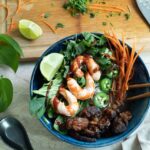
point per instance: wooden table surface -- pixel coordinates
(135, 27)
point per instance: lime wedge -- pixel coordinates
(30, 29)
(50, 65)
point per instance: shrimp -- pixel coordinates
(82, 93)
(60, 107)
(92, 66)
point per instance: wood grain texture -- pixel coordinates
(2, 16)
(135, 27)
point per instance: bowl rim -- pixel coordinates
(85, 144)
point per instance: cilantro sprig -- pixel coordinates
(76, 7)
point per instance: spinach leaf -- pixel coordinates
(37, 106)
(42, 91)
(54, 87)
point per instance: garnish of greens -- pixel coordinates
(10, 53)
(76, 7)
(90, 44)
(104, 23)
(92, 15)
(46, 15)
(127, 16)
(59, 25)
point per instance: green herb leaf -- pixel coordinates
(46, 15)
(83, 104)
(105, 50)
(9, 57)
(89, 37)
(76, 6)
(5, 39)
(102, 41)
(104, 23)
(93, 51)
(111, 24)
(59, 25)
(127, 16)
(81, 81)
(42, 91)
(6, 93)
(51, 113)
(66, 70)
(37, 106)
(92, 15)
(73, 49)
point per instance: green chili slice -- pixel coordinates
(101, 99)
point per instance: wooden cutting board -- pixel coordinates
(134, 27)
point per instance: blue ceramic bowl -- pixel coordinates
(138, 108)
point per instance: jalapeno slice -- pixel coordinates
(105, 84)
(101, 99)
(113, 74)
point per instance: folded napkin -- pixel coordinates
(139, 140)
(131, 143)
(144, 137)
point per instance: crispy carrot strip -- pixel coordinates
(28, 2)
(129, 68)
(131, 74)
(125, 61)
(115, 44)
(108, 6)
(46, 23)
(127, 52)
(12, 19)
(42, 15)
(11, 25)
(18, 6)
(7, 12)
(138, 53)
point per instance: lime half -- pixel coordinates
(50, 65)
(30, 29)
